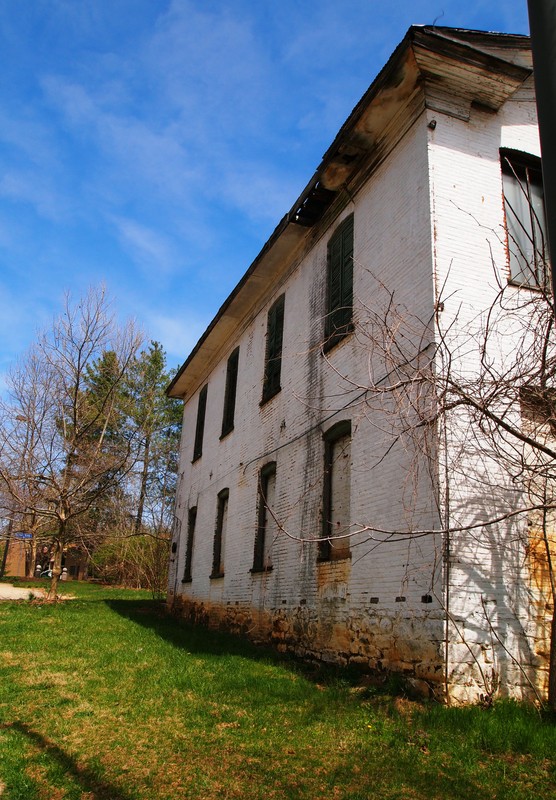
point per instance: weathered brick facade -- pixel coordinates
(418, 167)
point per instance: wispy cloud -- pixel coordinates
(148, 247)
(28, 187)
(156, 145)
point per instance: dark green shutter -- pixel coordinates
(262, 518)
(273, 357)
(347, 271)
(200, 427)
(191, 520)
(217, 565)
(336, 432)
(230, 393)
(340, 281)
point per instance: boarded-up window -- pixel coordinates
(525, 218)
(200, 427)
(538, 407)
(230, 393)
(273, 356)
(266, 524)
(219, 548)
(191, 521)
(336, 527)
(340, 284)
(538, 421)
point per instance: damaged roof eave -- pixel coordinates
(278, 249)
(434, 59)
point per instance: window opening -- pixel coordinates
(266, 524)
(230, 393)
(220, 534)
(191, 522)
(200, 427)
(525, 218)
(340, 284)
(335, 542)
(273, 356)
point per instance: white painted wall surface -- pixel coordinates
(494, 636)
(429, 221)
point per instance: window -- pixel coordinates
(340, 284)
(200, 427)
(538, 408)
(220, 535)
(273, 357)
(230, 394)
(191, 520)
(336, 519)
(525, 218)
(266, 526)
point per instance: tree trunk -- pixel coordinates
(56, 571)
(6, 548)
(31, 560)
(143, 491)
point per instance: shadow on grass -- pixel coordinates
(152, 614)
(87, 779)
(200, 640)
(402, 747)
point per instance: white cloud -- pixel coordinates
(149, 247)
(210, 63)
(35, 188)
(158, 142)
(28, 136)
(259, 191)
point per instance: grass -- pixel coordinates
(104, 697)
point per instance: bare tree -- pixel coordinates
(58, 451)
(468, 396)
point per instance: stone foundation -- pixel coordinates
(371, 642)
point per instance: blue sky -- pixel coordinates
(153, 145)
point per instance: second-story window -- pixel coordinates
(230, 393)
(339, 310)
(273, 355)
(525, 218)
(200, 427)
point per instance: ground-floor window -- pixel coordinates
(219, 548)
(336, 528)
(266, 524)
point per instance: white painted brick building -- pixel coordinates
(406, 205)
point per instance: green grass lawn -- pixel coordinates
(103, 696)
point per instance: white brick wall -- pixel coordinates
(492, 607)
(430, 217)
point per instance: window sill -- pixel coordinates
(260, 570)
(269, 396)
(196, 458)
(333, 559)
(187, 580)
(226, 433)
(216, 576)
(533, 287)
(338, 336)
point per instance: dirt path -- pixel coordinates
(8, 592)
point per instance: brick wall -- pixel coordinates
(367, 609)
(497, 619)
(429, 221)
